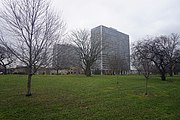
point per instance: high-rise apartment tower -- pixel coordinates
(115, 46)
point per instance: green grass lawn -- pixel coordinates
(98, 97)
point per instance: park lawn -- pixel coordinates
(70, 97)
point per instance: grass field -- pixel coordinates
(97, 97)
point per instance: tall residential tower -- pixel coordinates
(115, 55)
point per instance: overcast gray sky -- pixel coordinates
(137, 18)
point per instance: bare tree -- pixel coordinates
(153, 47)
(172, 47)
(6, 58)
(87, 49)
(141, 60)
(35, 28)
(162, 51)
(159, 55)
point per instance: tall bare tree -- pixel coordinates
(87, 49)
(141, 60)
(35, 28)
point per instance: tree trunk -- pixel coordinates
(163, 76)
(146, 86)
(171, 71)
(163, 73)
(29, 85)
(57, 71)
(5, 69)
(88, 71)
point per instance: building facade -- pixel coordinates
(65, 57)
(115, 54)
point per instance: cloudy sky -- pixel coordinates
(137, 18)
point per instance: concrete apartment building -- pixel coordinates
(115, 46)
